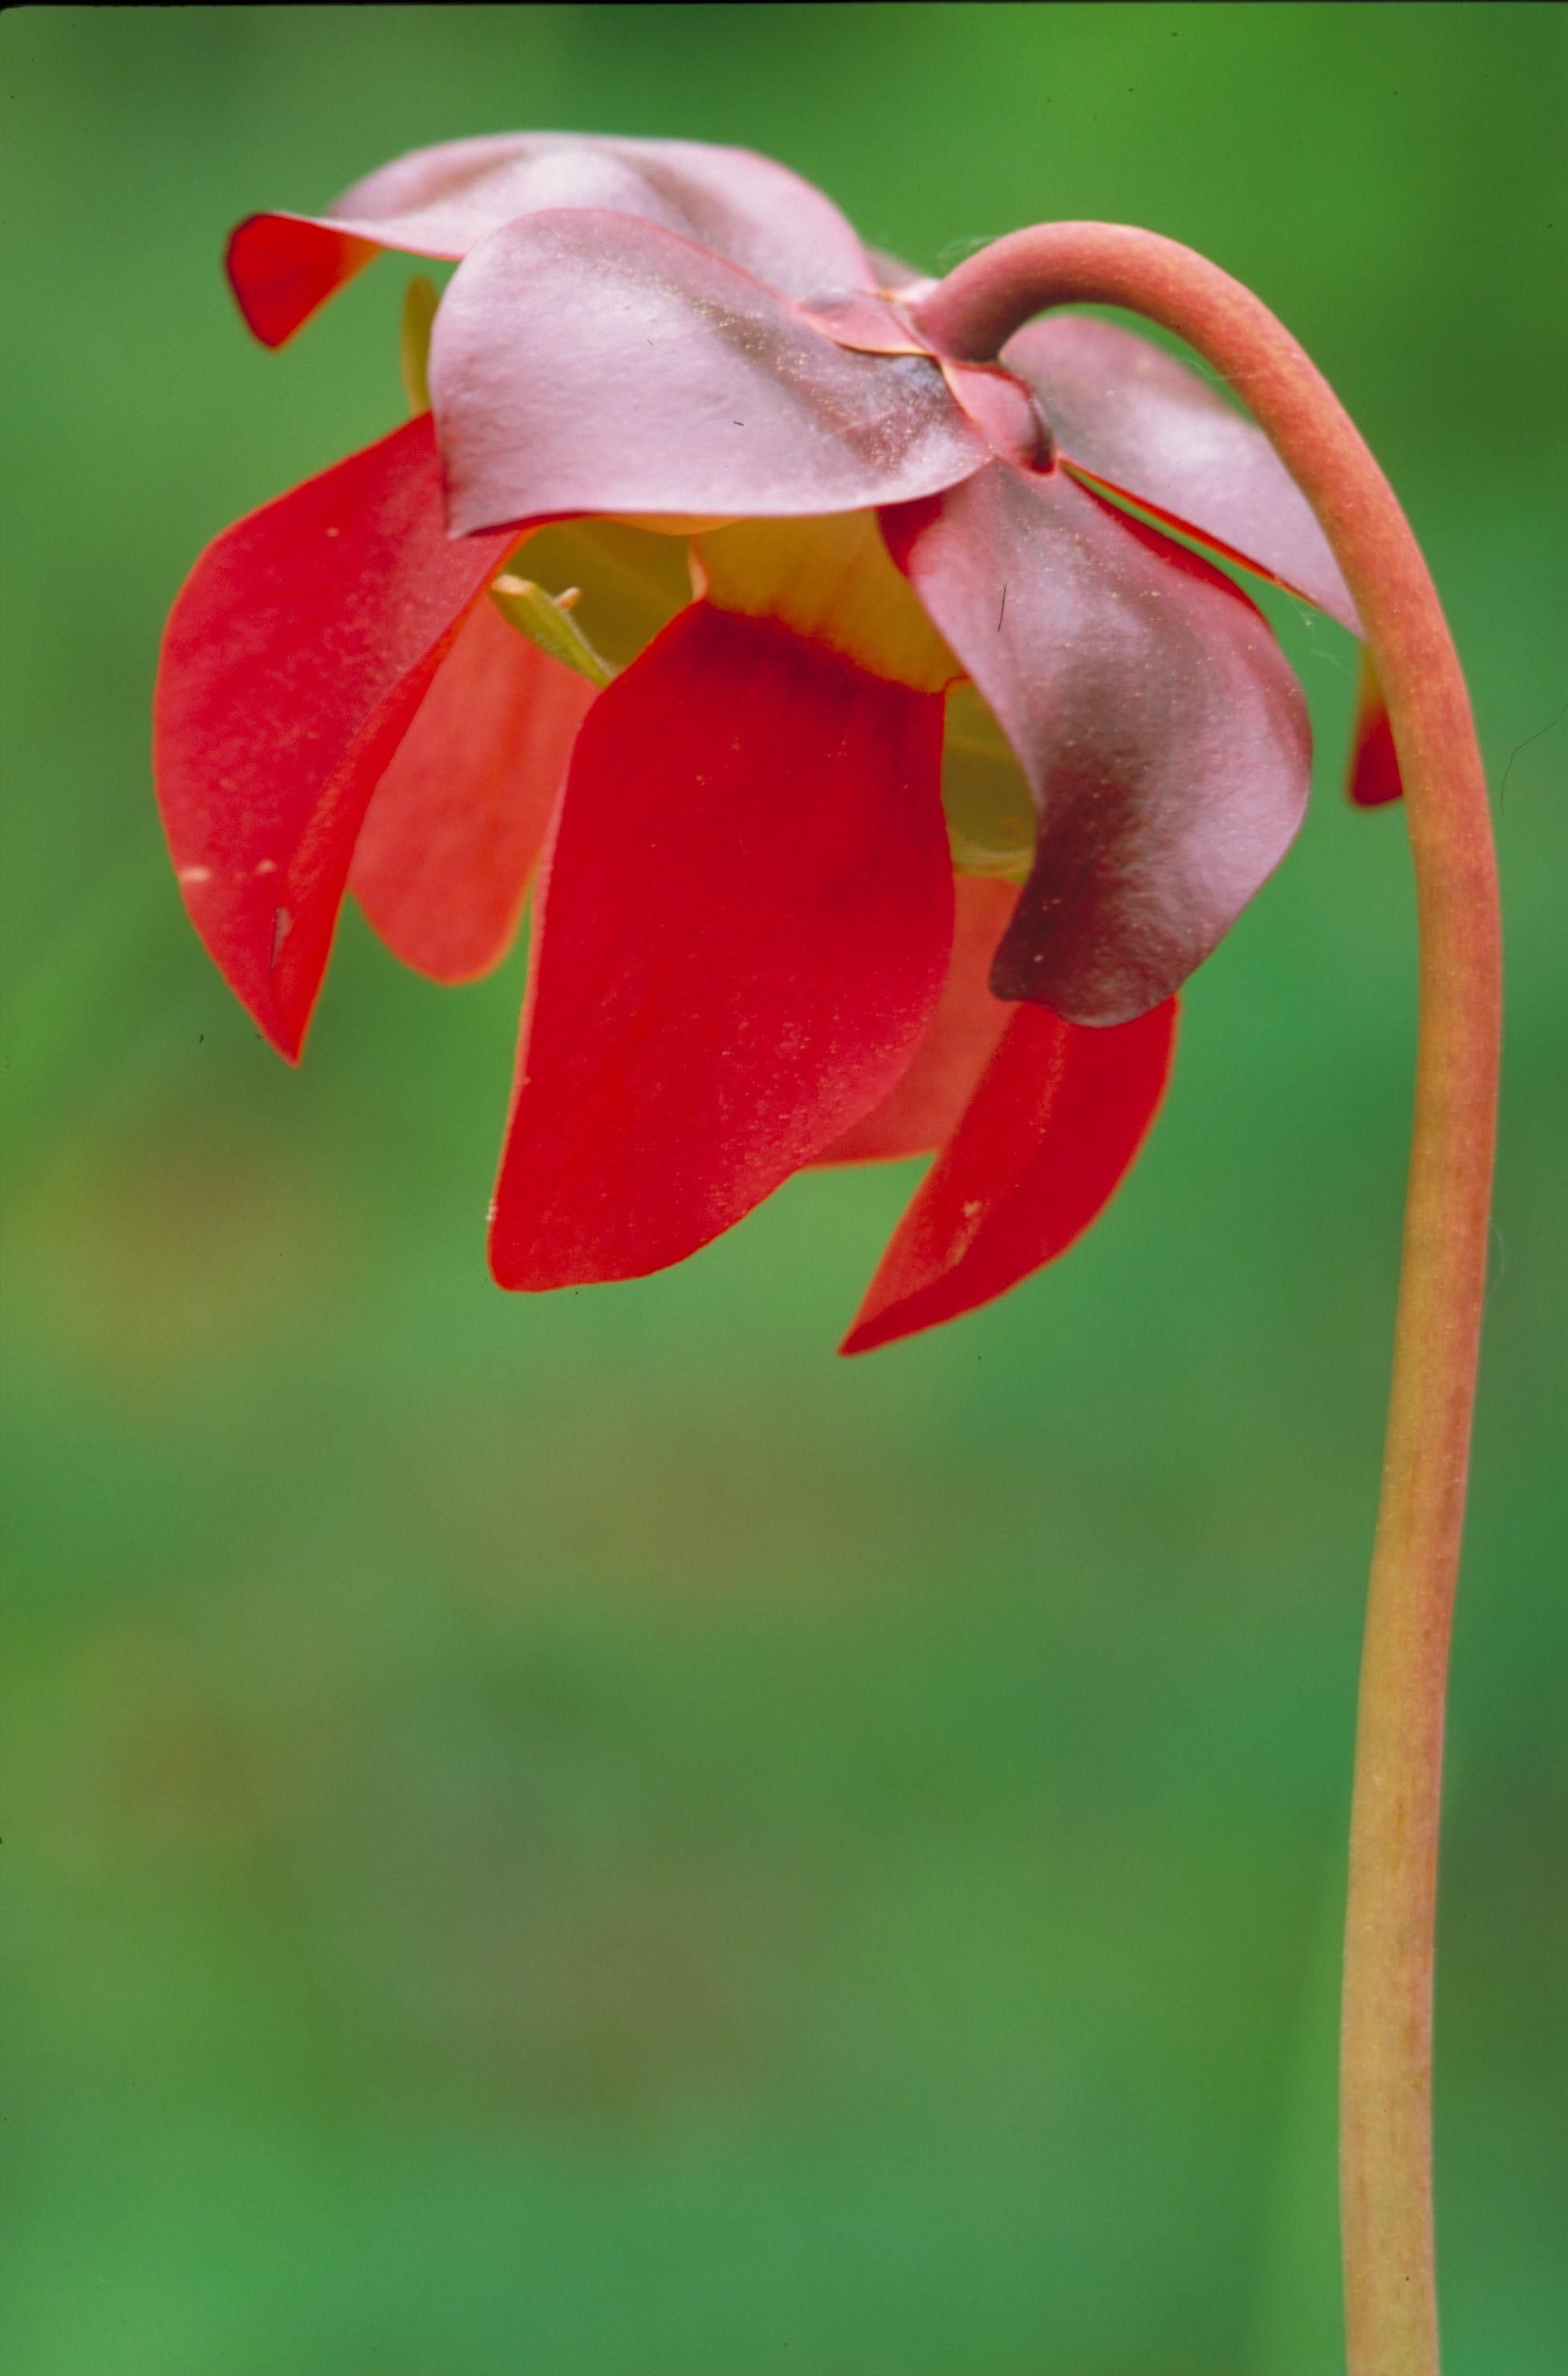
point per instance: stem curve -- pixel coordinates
(1385, 2055)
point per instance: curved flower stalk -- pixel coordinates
(847, 658)
(1425, 723)
(920, 774)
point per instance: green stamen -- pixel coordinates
(421, 299)
(546, 620)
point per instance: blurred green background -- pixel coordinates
(584, 1836)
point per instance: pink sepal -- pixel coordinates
(592, 362)
(1133, 419)
(442, 201)
(1163, 735)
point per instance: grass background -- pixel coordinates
(582, 1836)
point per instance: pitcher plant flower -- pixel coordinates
(853, 660)
(927, 774)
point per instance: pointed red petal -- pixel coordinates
(1373, 778)
(1127, 414)
(442, 201)
(1051, 1133)
(591, 362)
(745, 922)
(925, 1107)
(1163, 735)
(296, 656)
(282, 267)
(455, 824)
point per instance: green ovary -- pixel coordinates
(990, 819)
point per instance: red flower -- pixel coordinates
(922, 622)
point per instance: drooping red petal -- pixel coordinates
(440, 201)
(1131, 417)
(1164, 738)
(282, 267)
(1373, 777)
(745, 922)
(925, 1107)
(1048, 1136)
(455, 824)
(591, 362)
(296, 656)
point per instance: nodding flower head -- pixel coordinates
(881, 773)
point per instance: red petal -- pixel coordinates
(442, 201)
(1128, 415)
(960, 1038)
(297, 650)
(1163, 735)
(282, 267)
(589, 362)
(1049, 1136)
(455, 826)
(1374, 764)
(745, 923)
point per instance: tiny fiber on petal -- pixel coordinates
(744, 927)
(294, 661)
(1050, 1132)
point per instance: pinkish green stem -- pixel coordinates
(1386, 2057)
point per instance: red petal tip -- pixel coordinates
(1053, 1130)
(281, 268)
(1373, 779)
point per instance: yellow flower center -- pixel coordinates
(831, 579)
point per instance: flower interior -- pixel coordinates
(882, 735)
